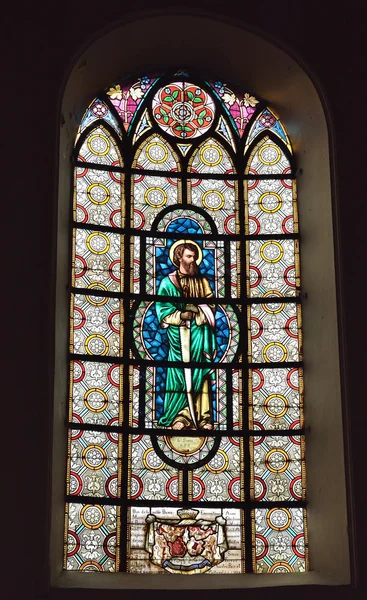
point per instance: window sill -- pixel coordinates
(68, 579)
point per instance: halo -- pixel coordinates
(172, 249)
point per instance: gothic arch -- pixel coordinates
(280, 79)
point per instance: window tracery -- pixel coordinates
(186, 391)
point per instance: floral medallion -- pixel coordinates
(183, 110)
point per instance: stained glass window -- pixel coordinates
(185, 423)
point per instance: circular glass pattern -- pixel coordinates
(156, 197)
(98, 144)
(157, 152)
(275, 352)
(273, 307)
(111, 486)
(75, 484)
(92, 516)
(262, 546)
(213, 200)
(278, 518)
(293, 379)
(96, 344)
(90, 565)
(172, 488)
(269, 154)
(94, 457)
(198, 488)
(296, 488)
(109, 545)
(280, 567)
(230, 224)
(218, 463)
(271, 251)
(277, 460)
(97, 300)
(260, 488)
(298, 545)
(98, 243)
(183, 110)
(136, 487)
(276, 405)
(151, 461)
(73, 543)
(234, 489)
(267, 120)
(211, 155)
(270, 202)
(98, 193)
(95, 400)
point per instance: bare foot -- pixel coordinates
(178, 426)
(208, 426)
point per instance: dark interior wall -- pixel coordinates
(40, 42)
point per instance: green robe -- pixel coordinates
(202, 349)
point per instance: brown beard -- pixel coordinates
(193, 269)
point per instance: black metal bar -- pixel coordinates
(181, 174)
(176, 363)
(143, 268)
(227, 267)
(144, 297)
(125, 385)
(142, 383)
(228, 432)
(172, 235)
(178, 504)
(185, 487)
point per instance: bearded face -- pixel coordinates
(191, 268)
(188, 263)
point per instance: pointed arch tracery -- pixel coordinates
(162, 162)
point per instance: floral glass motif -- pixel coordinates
(185, 417)
(126, 98)
(240, 106)
(183, 110)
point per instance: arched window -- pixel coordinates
(186, 449)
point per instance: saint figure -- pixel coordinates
(191, 335)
